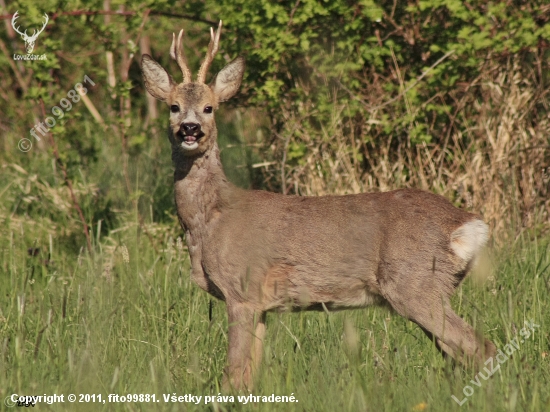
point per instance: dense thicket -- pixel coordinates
(339, 97)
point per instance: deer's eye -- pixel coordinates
(208, 109)
(174, 108)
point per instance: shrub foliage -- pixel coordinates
(339, 97)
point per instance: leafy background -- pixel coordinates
(338, 97)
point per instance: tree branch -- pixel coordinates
(121, 13)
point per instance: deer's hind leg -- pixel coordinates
(425, 304)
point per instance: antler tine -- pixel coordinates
(210, 54)
(15, 17)
(176, 52)
(45, 23)
(36, 32)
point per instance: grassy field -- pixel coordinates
(129, 320)
(445, 97)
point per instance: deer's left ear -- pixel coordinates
(228, 80)
(157, 81)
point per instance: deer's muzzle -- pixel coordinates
(190, 133)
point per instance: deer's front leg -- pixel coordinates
(246, 330)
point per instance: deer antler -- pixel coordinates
(35, 33)
(15, 17)
(25, 35)
(176, 52)
(210, 54)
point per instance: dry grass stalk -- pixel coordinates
(498, 166)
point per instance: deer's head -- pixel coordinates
(29, 40)
(192, 104)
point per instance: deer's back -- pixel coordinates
(286, 251)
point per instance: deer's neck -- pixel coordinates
(201, 189)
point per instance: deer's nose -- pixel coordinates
(190, 129)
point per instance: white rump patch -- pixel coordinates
(468, 240)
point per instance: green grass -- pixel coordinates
(71, 323)
(104, 325)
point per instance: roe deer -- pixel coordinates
(260, 251)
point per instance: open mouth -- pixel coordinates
(190, 141)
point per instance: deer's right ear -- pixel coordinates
(157, 81)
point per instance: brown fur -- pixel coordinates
(261, 251)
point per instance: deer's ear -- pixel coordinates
(228, 80)
(157, 81)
